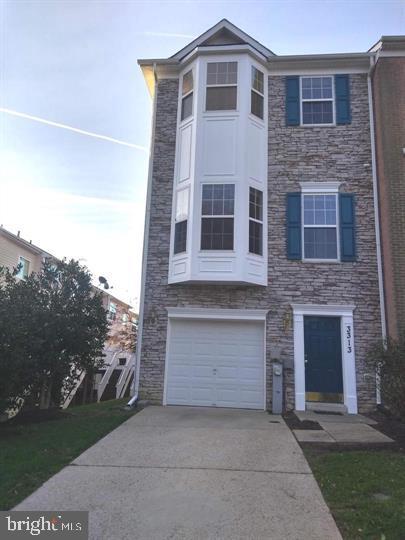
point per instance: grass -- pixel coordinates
(32, 453)
(350, 481)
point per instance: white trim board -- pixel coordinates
(345, 312)
(320, 187)
(225, 314)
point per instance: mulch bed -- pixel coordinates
(390, 426)
(293, 422)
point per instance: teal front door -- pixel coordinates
(323, 359)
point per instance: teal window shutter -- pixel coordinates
(294, 226)
(342, 97)
(292, 101)
(347, 228)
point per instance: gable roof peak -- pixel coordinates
(223, 33)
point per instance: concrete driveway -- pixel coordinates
(193, 473)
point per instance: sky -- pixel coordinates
(74, 63)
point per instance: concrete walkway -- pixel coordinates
(193, 473)
(345, 428)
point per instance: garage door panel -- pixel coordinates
(216, 363)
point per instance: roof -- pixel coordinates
(24, 243)
(223, 33)
(225, 36)
(392, 43)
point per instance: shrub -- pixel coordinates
(52, 326)
(388, 359)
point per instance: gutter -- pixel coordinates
(134, 398)
(376, 213)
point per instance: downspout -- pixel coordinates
(376, 214)
(135, 386)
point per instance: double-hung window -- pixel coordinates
(320, 237)
(222, 81)
(317, 100)
(180, 226)
(255, 221)
(24, 268)
(187, 95)
(112, 311)
(218, 201)
(257, 93)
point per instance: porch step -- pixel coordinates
(331, 408)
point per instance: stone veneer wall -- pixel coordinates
(296, 154)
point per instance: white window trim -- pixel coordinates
(202, 216)
(29, 267)
(256, 221)
(182, 96)
(225, 85)
(345, 313)
(317, 76)
(320, 188)
(256, 92)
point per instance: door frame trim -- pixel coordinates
(210, 314)
(345, 313)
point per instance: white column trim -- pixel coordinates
(345, 312)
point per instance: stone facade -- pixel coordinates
(341, 153)
(389, 104)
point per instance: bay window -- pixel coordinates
(255, 221)
(217, 222)
(222, 80)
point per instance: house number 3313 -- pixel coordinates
(349, 338)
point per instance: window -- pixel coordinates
(180, 226)
(222, 80)
(320, 226)
(112, 311)
(122, 361)
(317, 100)
(255, 221)
(218, 202)
(24, 270)
(187, 95)
(257, 93)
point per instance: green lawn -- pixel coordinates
(31, 453)
(350, 481)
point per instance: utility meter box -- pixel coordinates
(277, 401)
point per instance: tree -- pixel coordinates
(127, 335)
(52, 327)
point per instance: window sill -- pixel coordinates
(323, 261)
(220, 252)
(317, 125)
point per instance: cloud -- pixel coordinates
(70, 128)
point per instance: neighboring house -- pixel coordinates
(15, 251)
(388, 78)
(260, 240)
(114, 379)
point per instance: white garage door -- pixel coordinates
(215, 363)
